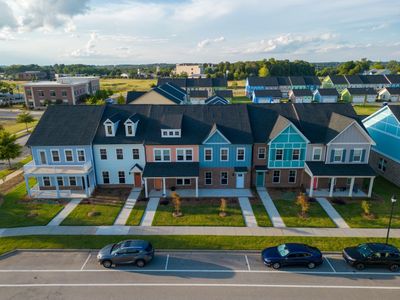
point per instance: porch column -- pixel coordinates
(146, 193)
(197, 186)
(86, 187)
(351, 186)
(28, 189)
(57, 187)
(371, 185)
(332, 186)
(164, 188)
(311, 187)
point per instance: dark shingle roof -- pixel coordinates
(322, 169)
(172, 121)
(256, 81)
(198, 94)
(361, 91)
(297, 80)
(312, 80)
(374, 79)
(214, 100)
(393, 91)
(328, 92)
(336, 125)
(224, 93)
(302, 92)
(194, 82)
(268, 93)
(393, 78)
(283, 80)
(171, 92)
(395, 110)
(338, 79)
(133, 95)
(171, 169)
(181, 82)
(354, 79)
(63, 125)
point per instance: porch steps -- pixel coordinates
(247, 212)
(150, 212)
(64, 212)
(332, 213)
(270, 208)
(128, 206)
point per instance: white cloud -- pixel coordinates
(6, 34)
(207, 42)
(196, 10)
(7, 18)
(89, 49)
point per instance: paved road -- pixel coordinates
(189, 274)
(11, 114)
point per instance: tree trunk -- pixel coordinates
(9, 163)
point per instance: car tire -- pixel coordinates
(140, 263)
(276, 266)
(107, 264)
(359, 266)
(311, 265)
(394, 267)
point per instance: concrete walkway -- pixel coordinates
(332, 213)
(270, 208)
(11, 175)
(150, 212)
(247, 212)
(128, 206)
(57, 220)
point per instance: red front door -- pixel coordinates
(138, 179)
(315, 185)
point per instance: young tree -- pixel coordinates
(263, 71)
(304, 204)
(176, 199)
(9, 149)
(223, 207)
(26, 118)
(121, 99)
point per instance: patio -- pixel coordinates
(337, 193)
(205, 193)
(35, 192)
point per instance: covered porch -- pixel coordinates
(160, 177)
(339, 180)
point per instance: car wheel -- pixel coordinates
(276, 266)
(359, 266)
(311, 265)
(107, 264)
(140, 263)
(394, 267)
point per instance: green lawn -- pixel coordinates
(79, 216)
(13, 213)
(289, 212)
(260, 213)
(366, 110)
(353, 214)
(13, 127)
(180, 242)
(137, 213)
(240, 99)
(199, 214)
(5, 172)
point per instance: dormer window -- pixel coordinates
(131, 125)
(109, 129)
(170, 133)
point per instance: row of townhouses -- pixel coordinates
(324, 149)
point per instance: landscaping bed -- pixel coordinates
(137, 213)
(260, 213)
(199, 212)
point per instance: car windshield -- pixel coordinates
(116, 247)
(283, 250)
(364, 250)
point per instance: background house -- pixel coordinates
(267, 96)
(166, 93)
(300, 96)
(358, 95)
(327, 95)
(389, 94)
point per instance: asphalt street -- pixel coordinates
(187, 274)
(11, 114)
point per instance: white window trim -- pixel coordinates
(119, 177)
(162, 154)
(184, 154)
(313, 153)
(227, 154)
(183, 181)
(62, 179)
(276, 152)
(65, 155)
(138, 150)
(265, 152)
(52, 157)
(108, 175)
(116, 154)
(175, 133)
(227, 178)
(295, 176)
(45, 156)
(69, 181)
(84, 155)
(361, 151)
(43, 180)
(293, 154)
(334, 155)
(244, 153)
(274, 176)
(131, 125)
(212, 154)
(106, 153)
(205, 178)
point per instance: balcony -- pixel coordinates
(33, 169)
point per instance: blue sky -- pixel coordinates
(153, 31)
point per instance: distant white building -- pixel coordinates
(192, 70)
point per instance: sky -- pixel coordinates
(176, 31)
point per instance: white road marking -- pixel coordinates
(202, 285)
(87, 259)
(166, 263)
(329, 263)
(247, 263)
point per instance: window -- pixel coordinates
(106, 177)
(224, 178)
(224, 154)
(43, 159)
(295, 154)
(170, 133)
(262, 151)
(28, 93)
(55, 155)
(60, 181)
(292, 176)
(162, 155)
(337, 155)
(68, 155)
(382, 164)
(135, 153)
(208, 178)
(46, 181)
(240, 154)
(109, 130)
(41, 93)
(357, 155)
(208, 154)
(276, 176)
(103, 154)
(279, 154)
(183, 181)
(64, 93)
(120, 154)
(317, 153)
(184, 154)
(72, 181)
(129, 129)
(81, 155)
(52, 93)
(121, 176)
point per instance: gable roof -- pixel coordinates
(198, 94)
(171, 92)
(224, 93)
(63, 125)
(215, 129)
(297, 80)
(312, 80)
(213, 100)
(133, 95)
(374, 79)
(282, 80)
(280, 124)
(338, 79)
(302, 92)
(353, 79)
(393, 78)
(393, 91)
(194, 82)
(337, 123)
(328, 92)
(268, 93)
(361, 91)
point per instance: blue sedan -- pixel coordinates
(292, 255)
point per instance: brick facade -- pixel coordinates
(392, 172)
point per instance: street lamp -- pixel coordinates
(393, 199)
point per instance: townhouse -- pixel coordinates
(376, 82)
(266, 96)
(300, 96)
(358, 95)
(166, 93)
(325, 95)
(322, 148)
(211, 85)
(389, 94)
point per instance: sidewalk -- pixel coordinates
(128, 206)
(150, 212)
(270, 208)
(332, 213)
(247, 212)
(71, 205)
(12, 175)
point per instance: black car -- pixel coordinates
(136, 252)
(372, 254)
(292, 255)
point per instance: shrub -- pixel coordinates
(304, 204)
(338, 201)
(176, 200)
(222, 208)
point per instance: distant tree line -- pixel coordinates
(359, 66)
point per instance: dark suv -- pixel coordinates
(136, 252)
(376, 254)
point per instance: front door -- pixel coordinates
(158, 184)
(239, 180)
(137, 179)
(260, 179)
(315, 185)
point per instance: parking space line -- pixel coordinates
(166, 263)
(86, 261)
(247, 263)
(329, 263)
